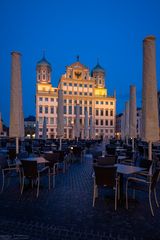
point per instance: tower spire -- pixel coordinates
(77, 58)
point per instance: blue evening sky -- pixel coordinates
(112, 30)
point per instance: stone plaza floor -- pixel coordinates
(66, 212)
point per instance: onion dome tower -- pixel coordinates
(43, 70)
(99, 74)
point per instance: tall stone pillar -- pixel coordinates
(132, 113)
(16, 110)
(150, 130)
(127, 121)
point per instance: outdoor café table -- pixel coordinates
(40, 160)
(123, 169)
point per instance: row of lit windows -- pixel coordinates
(77, 85)
(77, 93)
(104, 130)
(67, 110)
(102, 112)
(102, 122)
(46, 99)
(103, 102)
(76, 101)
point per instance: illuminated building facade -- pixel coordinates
(79, 87)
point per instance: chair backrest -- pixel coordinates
(60, 155)
(52, 158)
(12, 153)
(29, 168)
(107, 160)
(145, 163)
(105, 175)
(3, 162)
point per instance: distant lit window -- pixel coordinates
(111, 103)
(46, 109)
(97, 112)
(52, 110)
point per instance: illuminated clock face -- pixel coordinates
(78, 74)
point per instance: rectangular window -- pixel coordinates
(70, 84)
(40, 109)
(46, 99)
(64, 84)
(85, 109)
(65, 110)
(80, 110)
(46, 109)
(90, 102)
(52, 99)
(51, 120)
(40, 120)
(101, 122)
(106, 122)
(70, 109)
(106, 103)
(106, 112)
(80, 102)
(85, 102)
(70, 93)
(90, 86)
(111, 113)
(80, 85)
(80, 93)
(70, 101)
(101, 112)
(90, 110)
(111, 122)
(96, 122)
(101, 102)
(64, 92)
(52, 110)
(111, 103)
(97, 102)
(90, 94)
(75, 93)
(75, 84)
(85, 85)
(65, 100)
(97, 112)
(40, 99)
(85, 94)
(74, 109)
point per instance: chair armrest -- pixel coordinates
(9, 169)
(134, 179)
(43, 169)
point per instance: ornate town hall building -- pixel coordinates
(79, 87)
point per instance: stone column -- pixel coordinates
(16, 109)
(132, 115)
(1, 124)
(127, 121)
(150, 129)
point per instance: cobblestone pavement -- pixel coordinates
(66, 212)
